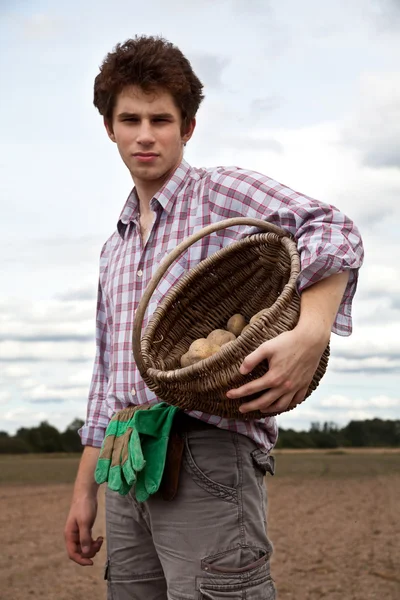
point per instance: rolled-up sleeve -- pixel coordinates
(328, 241)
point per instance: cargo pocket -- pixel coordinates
(242, 573)
(217, 478)
(264, 463)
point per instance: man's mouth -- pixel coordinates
(145, 156)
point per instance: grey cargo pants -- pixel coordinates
(209, 542)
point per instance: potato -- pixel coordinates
(185, 360)
(199, 350)
(220, 336)
(236, 324)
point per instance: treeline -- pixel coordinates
(357, 434)
(43, 438)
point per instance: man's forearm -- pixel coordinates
(320, 304)
(85, 484)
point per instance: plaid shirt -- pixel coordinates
(327, 240)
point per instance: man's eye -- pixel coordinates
(160, 119)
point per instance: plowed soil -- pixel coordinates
(334, 519)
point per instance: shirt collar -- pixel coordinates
(166, 197)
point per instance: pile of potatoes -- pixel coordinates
(205, 347)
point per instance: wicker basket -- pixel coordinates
(255, 273)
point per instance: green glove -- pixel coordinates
(114, 464)
(134, 449)
(154, 427)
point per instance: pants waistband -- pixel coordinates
(184, 422)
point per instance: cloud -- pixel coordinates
(383, 280)
(209, 68)
(360, 403)
(41, 25)
(251, 6)
(340, 409)
(15, 372)
(265, 105)
(55, 393)
(87, 293)
(374, 128)
(372, 349)
(47, 331)
(47, 401)
(366, 367)
(5, 396)
(29, 416)
(387, 15)
(58, 338)
(14, 352)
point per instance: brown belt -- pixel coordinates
(176, 445)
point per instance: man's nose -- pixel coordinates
(145, 134)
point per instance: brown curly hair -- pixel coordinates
(151, 63)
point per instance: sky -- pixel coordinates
(307, 93)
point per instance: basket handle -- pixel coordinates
(171, 257)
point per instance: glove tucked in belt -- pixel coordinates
(134, 449)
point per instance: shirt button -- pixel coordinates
(139, 273)
(133, 392)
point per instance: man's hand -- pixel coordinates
(81, 547)
(293, 358)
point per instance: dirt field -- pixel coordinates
(334, 520)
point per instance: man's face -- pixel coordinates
(147, 130)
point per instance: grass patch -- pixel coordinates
(38, 468)
(62, 468)
(336, 464)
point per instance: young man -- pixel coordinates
(210, 541)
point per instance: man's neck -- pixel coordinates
(145, 193)
(146, 190)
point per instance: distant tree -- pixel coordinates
(373, 432)
(12, 445)
(356, 434)
(294, 439)
(75, 425)
(44, 438)
(324, 439)
(315, 426)
(71, 441)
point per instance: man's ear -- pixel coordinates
(189, 131)
(109, 130)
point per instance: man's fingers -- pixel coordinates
(267, 402)
(94, 548)
(279, 406)
(86, 540)
(299, 397)
(254, 358)
(81, 548)
(73, 547)
(81, 560)
(267, 382)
